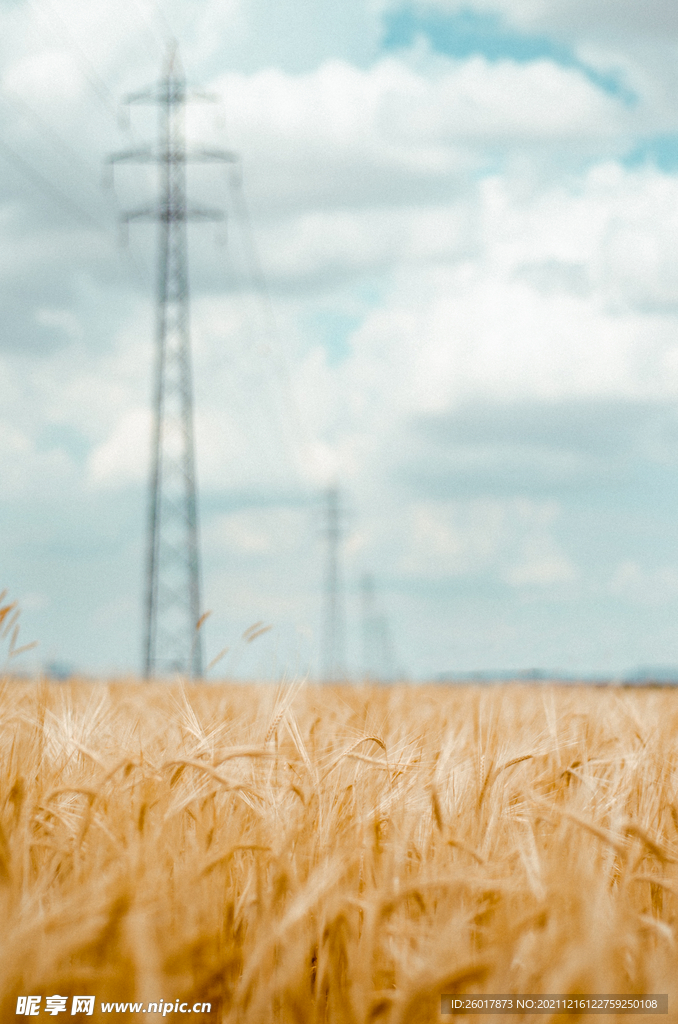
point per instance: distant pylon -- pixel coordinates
(172, 603)
(369, 616)
(378, 654)
(333, 663)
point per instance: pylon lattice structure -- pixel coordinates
(334, 666)
(172, 602)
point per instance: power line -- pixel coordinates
(252, 390)
(87, 69)
(170, 38)
(333, 663)
(273, 347)
(160, 41)
(46, 186)
(24, 109)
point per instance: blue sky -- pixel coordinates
(463, 33)
(467, 217)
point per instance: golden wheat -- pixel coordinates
(336, 854)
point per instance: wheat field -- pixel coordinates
(336, 854)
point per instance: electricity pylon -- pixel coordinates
(334, 667)
(378, 653)
(369, 619)
(172, 609)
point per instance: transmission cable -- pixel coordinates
(88, 70)
(45, 185)
(267, 407)
(273, 347)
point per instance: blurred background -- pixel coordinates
(452, 296)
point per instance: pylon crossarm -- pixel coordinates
(142, 213)
(172, 214)
(158, 94)
(200, 156)
(161, 94)
(145, 96)
(143, 155)
(199, 96)
(204, 213)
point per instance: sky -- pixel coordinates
(455, 297)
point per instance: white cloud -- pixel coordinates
(27, 469)
(379, 135)
(642, 585)
(123, 458)
(442, 540)
(544, 566)
(246, 534)
(50, 73)
(494, 324)
(64, 319)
